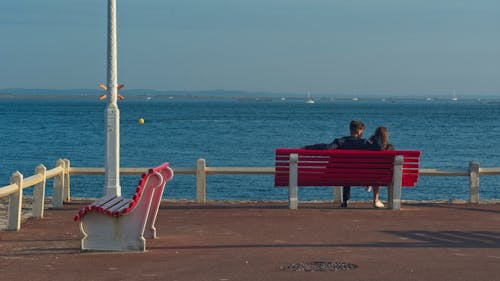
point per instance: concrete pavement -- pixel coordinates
(225, 241)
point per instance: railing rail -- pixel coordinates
(18, 183)
(266, 171)
(443, 173)
(62, 171)
(80, 171)
(8, 190)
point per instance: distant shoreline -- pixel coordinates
(95, 97)
(24, 93)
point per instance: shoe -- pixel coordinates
(378, 204)
(343, 205)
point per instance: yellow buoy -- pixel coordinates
(141, 120)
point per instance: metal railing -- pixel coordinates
(62, 171)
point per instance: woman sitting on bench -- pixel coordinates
(381, 136)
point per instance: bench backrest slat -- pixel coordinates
(346, 167)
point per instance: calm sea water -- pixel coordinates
(232, 133)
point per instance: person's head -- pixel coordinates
(356, 128)
(383, 135)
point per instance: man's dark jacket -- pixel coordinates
(348, 142)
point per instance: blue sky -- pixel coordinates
(390, 47)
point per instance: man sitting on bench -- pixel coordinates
(351, 142)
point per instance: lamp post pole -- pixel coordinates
(112, 113)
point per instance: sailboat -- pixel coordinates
(309, 99)
(454, 98)
(355, 98)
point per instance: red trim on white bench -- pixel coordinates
(116, 205)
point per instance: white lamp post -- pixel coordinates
(112, 113)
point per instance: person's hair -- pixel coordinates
(383, 135)
(356, 125)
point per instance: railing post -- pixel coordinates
(39, 193)
(58, 192)
(15, 203)
(337, 194)
(67, 197)
(201, 181)
(293, 182)
(474, 182)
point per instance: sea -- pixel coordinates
(245, 133)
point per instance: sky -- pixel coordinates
(393, 47)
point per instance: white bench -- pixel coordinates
(114, 223)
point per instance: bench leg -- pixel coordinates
(292, 197)
(337, 194)
(292, 183)
(395, 197)
(395, 187)
(105, 233)
(150, 229)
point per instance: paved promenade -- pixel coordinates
(266, 241)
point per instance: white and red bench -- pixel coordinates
(114, 223)
(391, 168)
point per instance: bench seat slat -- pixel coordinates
(408, 182)
(350, 153)
(350, 169)
(283, 171)
(119, 206)
(344, 182)
(103, 200)
(340, 165)
(340, 177)
(333, 172)
(344, 172)
(338, 157)
(407, 161)
(112, 202)
(381, 157)
(349, 173)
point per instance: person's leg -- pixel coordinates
(346, 195)
(376, 201)
(375, 193)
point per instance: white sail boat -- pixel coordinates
(309, 99)
(454, 98)
(355, 94)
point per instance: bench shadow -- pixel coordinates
(319, 206)
(43, 252)
(447, 239)
(462, 207)
(413, 239)
(263, 205)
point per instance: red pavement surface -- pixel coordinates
(257, 241)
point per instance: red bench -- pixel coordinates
(114, 223)
(391, 168)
